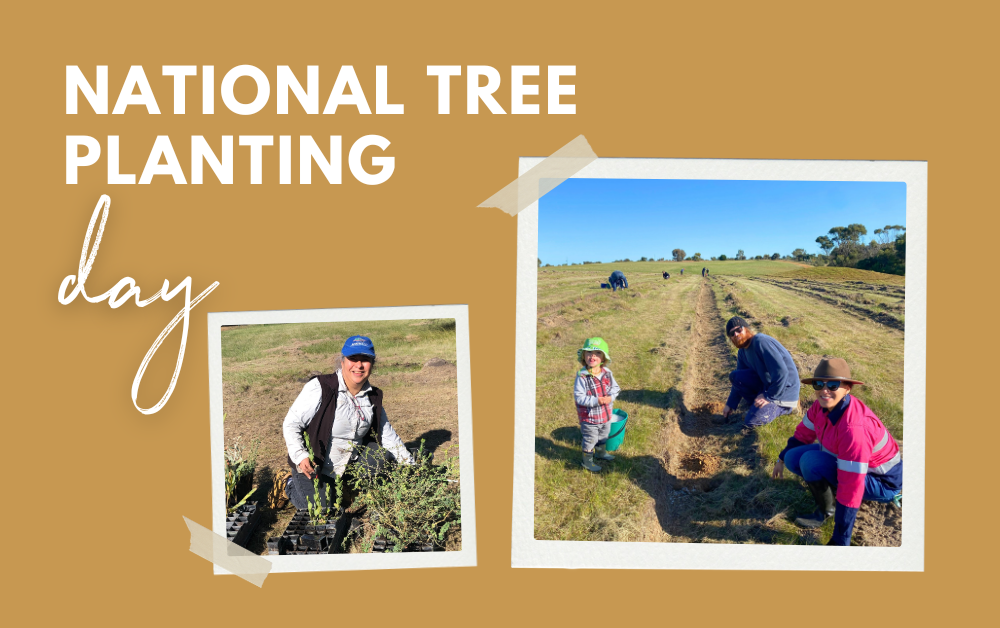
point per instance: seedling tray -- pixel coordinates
(301, 538)
(380, 545)
(241, 523)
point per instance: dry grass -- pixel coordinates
(265, 367)
(680, 476)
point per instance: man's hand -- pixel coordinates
(760, 401)
(604, 400)
(726, 411)
(779, 470)
(306, 468)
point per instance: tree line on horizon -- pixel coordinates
(841, 246)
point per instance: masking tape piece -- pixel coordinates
(231, 557)
(555, 169)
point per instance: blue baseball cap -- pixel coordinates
(358, 345)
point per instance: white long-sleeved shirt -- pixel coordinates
(352, 421)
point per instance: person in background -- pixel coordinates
(594, 391)
(841, 445)
(617, 280)
(765, 375)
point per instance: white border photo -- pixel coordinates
(466, 557)
(526, 551)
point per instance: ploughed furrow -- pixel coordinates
(858, 286)
(894, 301)
(879, 317)
(701, 451)
(645, 326)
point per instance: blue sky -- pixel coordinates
(608, 219)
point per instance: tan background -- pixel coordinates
(107, 543)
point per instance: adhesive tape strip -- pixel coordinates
(227, 555)
(555, 169)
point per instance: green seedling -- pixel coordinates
(240, 464)
(318, 513)
(409, 504)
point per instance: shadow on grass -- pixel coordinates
(443, 325)
(432, 440)
(722, 507)
(267, 518)
(653, 398)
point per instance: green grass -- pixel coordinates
(320, 341)
(820, 329)
(834, 273)
(651, 331)
(573, 503)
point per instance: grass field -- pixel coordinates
(679, 476)
(265, 366)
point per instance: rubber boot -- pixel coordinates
(588, 463)
(825, 505)
(601, 453)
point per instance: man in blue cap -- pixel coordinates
(765, 375)
(343, 416)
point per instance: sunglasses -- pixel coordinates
(822, 385)
(734, 331)
(358, 358)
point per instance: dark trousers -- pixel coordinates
(812, 464)
(747, 385)
(372, 460)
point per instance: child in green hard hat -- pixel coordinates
(595, 392)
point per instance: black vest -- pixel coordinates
(321, 426)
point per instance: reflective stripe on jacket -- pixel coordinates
(858, 440)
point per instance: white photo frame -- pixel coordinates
(526, 551)
(466, 557)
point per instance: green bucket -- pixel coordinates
(618, 420)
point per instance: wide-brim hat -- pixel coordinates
(594, 344)
(832, 369)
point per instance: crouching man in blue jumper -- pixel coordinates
(765, 375)
(617, 280)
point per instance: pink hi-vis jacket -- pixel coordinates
(859, 441)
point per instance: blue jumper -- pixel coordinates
(773, 366)
(617, 280)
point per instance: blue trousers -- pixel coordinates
(812, 464)
(746, 385)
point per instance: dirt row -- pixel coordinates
(879, 317)
(696, 478)
(712, 467)
(860, 286)
(706, 458)
(895, 301)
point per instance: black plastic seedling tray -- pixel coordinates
(241, 523)
(380, 545)
(301, 538)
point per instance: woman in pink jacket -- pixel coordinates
(841, 445)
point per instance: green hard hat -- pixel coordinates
(594, 344)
